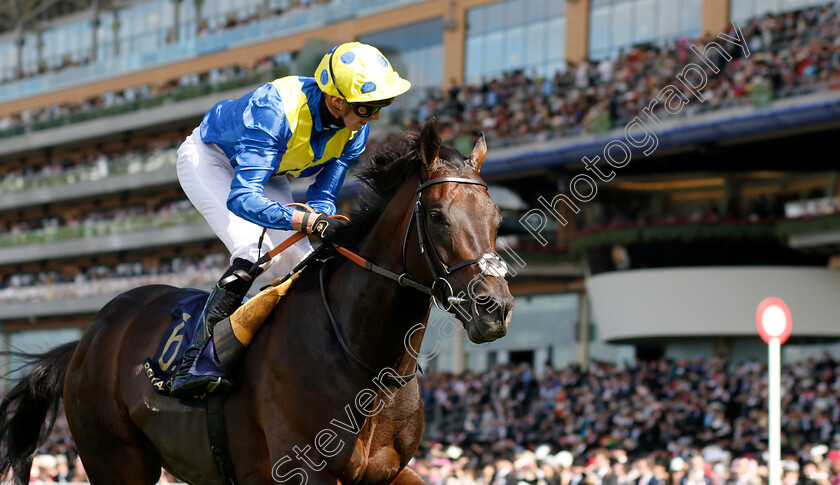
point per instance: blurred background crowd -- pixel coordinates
(609, 424)
(699, 422)
(792, 53)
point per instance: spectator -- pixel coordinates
(645, 475)
(696, 473)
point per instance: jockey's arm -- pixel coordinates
(323, 192)
(247, 200)
(257, 159)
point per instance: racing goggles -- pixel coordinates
(368, 110)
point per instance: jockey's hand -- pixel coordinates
(325, 227)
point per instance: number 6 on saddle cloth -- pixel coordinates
(221, 352)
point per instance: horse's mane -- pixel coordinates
(383, 174)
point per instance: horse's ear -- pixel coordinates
(478, 153)
(430, 142)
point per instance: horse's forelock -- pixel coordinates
(389, 165)
(452, 157)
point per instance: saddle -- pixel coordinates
(242, 325)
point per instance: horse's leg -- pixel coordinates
(109, 462)
(112, 449)
(408, 476)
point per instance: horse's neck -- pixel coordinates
(377, 314)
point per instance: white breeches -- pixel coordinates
(205, 174)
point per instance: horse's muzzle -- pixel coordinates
(491, 315)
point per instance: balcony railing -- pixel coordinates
(133, 164)
(107, 227)
(688, 231)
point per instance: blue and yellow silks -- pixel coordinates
(277, 130)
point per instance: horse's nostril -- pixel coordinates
(507, 310)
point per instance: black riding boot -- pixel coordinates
(225, 298)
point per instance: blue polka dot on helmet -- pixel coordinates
(359, 73)
(348, 57)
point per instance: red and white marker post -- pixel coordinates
(774, 324)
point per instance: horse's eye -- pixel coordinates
(436, 215)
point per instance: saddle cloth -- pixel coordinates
(245, 322)
(161, 368)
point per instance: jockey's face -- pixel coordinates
(342, 109)
(355, 122)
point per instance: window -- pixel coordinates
(8, 59)
(743, 10)
(615, 25)
(527, 35)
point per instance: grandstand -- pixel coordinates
(667, 259)
(655, 253)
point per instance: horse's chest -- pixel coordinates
(385, 444)
(379, 465)
(374, 464)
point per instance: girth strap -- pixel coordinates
(218, 437)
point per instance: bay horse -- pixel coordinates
(310, 407)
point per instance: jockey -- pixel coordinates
(235, 166)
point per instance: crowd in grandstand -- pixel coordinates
(603, 214)
(790, 53)
(90, 166)
(698, 422)
(667, 417)
(143, 96)
(96, 222)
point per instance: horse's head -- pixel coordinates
(457, 224)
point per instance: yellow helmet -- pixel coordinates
(359, 73)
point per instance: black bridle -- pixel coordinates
(434, 263)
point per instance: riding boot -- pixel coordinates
(225, 298)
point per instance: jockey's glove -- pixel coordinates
(318, 224)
